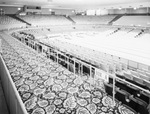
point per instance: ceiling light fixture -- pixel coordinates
(119, 8)
(19, 8)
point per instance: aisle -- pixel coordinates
(47, 88)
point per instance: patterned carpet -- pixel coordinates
(47, 88)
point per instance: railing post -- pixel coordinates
(114, 79)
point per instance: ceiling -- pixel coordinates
(78, 4)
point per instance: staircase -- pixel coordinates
(70, 19)
(17, 18)
(19, 11)
(115, 19)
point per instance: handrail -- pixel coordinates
(123, 80)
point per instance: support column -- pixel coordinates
(114, 90)
(94, 78)
(91, 77)
(79, 68)
(68, 63)
(57, 57)
(49, 53)
(81, 72)
(74, 71)
(114, 78)
(90, 72)
(0, 46)
(147, 10)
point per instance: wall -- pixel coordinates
(57, 11)
(90, 12)
(97, 12)
(129, 11)
(136, 11)
(104, 12)
(12, 96)
(116, 11)
(9, 10)
(63, 12)
(45, 11)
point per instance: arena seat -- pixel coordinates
(147, 83)
(91, 56)
(39, 20)
(121, 95)
(81, 19)
(108, 89)
(141, 106)
(7, 22)
(128, 76)
(130, 21)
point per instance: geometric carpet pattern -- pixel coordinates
(47, 88)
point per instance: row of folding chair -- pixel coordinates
(127, 99)
(131, 89)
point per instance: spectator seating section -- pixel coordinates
(7, 22)
(130, 21)
(39, 20)
(81, 19)
(45, 20)
(124, 91)
(100, 59)
(137, 76)
(24, 60)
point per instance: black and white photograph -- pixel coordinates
(74, 56)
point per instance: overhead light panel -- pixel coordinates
(19, 8)
(119, 8)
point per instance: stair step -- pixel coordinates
(70, 19)
(115, 19)
(17, 18)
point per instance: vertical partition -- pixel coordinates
(12, 96)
